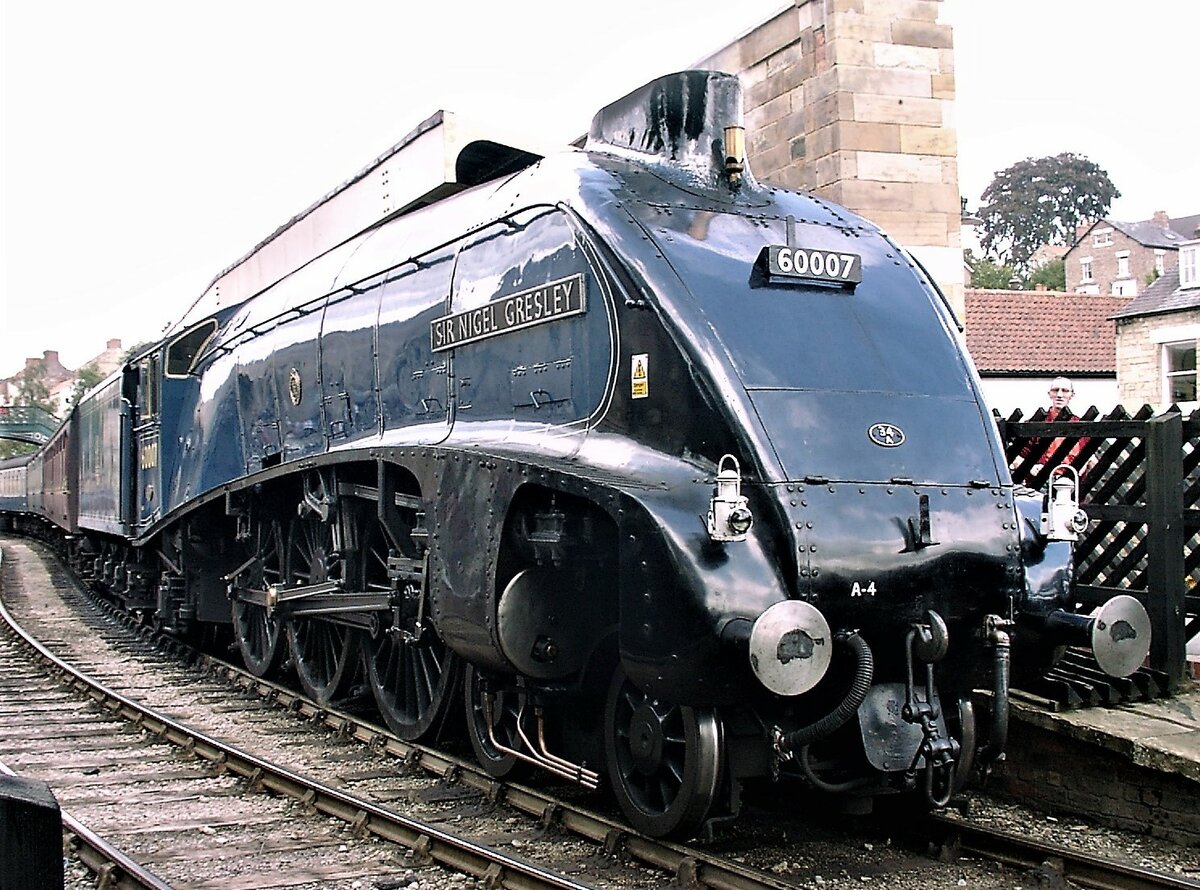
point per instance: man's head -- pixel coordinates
(1061, 391)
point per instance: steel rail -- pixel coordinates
(112, 866)
(427, 842)
(691, 868)
(1070, 865)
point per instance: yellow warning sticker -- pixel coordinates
(641, 376)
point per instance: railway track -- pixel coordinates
(1059, 861)
(653, 862)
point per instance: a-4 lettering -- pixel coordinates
(860, 590)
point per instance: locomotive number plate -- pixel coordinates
(808, 264)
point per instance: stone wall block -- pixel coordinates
(790, 55)
(917, 10)
(769, 162)
(776, 108)
(946, 60)
(797, 149)
(869, 137)
(890, 166)
(844, 51)
(943, 86)
(899, 109)
(785, 80)
(828, 110)
(907, 225)
(876, 81)
(927, 141)
(771, 36)
(910, 58)
(859, 26)
(820, 85)
(914, 33)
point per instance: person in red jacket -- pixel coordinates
(1061, 391)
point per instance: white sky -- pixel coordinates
(147, 145)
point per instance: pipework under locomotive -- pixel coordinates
(664, 478)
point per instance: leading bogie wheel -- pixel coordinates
(493, 709)
(664, 760)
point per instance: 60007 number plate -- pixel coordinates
(813, 265)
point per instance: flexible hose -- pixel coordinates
(864, 672)
(1000, 673)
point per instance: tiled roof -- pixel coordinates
(1042, 332)
(1149, 233)
(1164, 295)
(1187, 226)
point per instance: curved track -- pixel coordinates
(555, 819)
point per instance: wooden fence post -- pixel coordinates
(1166, 587)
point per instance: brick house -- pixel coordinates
(1157, 334)
(1021, 340)
(1122, 258)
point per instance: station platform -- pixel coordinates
(1134, 765)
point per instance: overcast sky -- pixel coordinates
(147, 145)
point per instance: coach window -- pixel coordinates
(186, 348)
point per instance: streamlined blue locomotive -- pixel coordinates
(657, 475)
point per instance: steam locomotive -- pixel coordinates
(658, 476)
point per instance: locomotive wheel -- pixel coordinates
(664, 761)
(325, 654)
(506, 706)
(413, 681)
(260, 637)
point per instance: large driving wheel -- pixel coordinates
(502, 713)
(664, 761)
(325, 653)
(412, 673)
(260, 637)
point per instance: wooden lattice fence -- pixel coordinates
(1140, 486)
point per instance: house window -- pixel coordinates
(1124, 288)
(1123, 264)
(1102, 238)
(1189, 266)
(1160, 261)
(1179, 371)
(1085, 269)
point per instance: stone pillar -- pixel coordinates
(853, 100)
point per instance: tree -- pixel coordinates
(13, 448)
(1042, 201)
(990, 275)
(85, 378)
(33, 389)
(1052, 274)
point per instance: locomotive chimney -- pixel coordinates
(688, 125)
